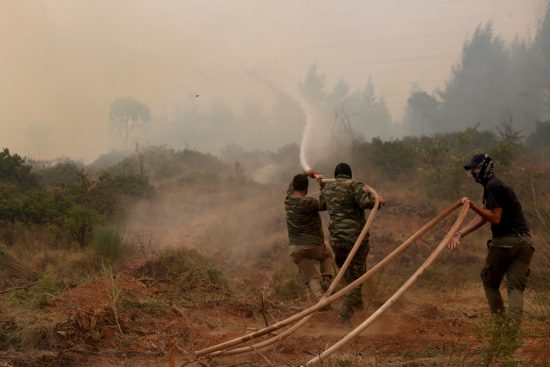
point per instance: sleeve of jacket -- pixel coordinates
(322, 202)
(290, 190)
(312, 204)
(365, 200)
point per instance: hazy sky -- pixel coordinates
(62, 62)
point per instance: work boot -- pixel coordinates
(358, 306)
(345, 316)
(515, 309)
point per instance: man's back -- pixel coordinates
(345, 200)
(303, 220)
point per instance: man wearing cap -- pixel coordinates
(346, 199)
(307, 246)
(510, 249)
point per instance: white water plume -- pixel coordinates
(305, 135)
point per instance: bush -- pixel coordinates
(108, 244)
(65, 173)
(80, 223)
(287, 283)
(185, 267)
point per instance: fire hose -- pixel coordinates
(333, 285)
(222, 348)
(353, 334)
(226, 347)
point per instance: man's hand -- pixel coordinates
(319, 179)
(454, 242)
(311, 173)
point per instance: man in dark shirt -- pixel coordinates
(307, 246)
(510, 249)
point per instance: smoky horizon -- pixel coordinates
(80, 79)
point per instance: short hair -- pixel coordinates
(342, 169)
(300, 182)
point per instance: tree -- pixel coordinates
(126, 115)
(314, 85)
(14, 169)
(421, 112)
(480, 88)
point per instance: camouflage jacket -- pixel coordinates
(345, 201)
(303, 220)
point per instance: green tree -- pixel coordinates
(15, 169)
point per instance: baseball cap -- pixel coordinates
(476, 161)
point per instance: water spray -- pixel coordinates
(306, 134)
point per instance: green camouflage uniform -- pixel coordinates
(346, 200)
(307, 242)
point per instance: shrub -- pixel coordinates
(185, 267)
(80, 223)
(109, 245)
(153, 306)
(287, 283)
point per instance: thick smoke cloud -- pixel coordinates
(63, 64)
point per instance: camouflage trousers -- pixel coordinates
(510, 256)
(314, 265)
(358, 266)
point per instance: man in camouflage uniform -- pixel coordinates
(510, 250)
(346, 199)
(305, 236)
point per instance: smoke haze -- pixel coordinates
(63, 63)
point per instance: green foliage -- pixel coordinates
(108, 194)
(65, 173)
(80, 223)
(38, 295)
(508, 146)
(159, 162)
(152, 306)
(501, 339)
(16, 170)
(109, 245)
(392, 157)
(71, 206)
(185, 267)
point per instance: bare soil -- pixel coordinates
(154, 322)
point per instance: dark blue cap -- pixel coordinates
(476, 161)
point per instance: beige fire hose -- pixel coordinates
(220, 348)
(353, 334)
(442, 215)
(333, 285)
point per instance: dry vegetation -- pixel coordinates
(201, 257)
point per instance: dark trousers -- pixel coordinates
(510, 255)
(357, 267)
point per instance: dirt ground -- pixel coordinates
(422, 329)
(132, 320)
